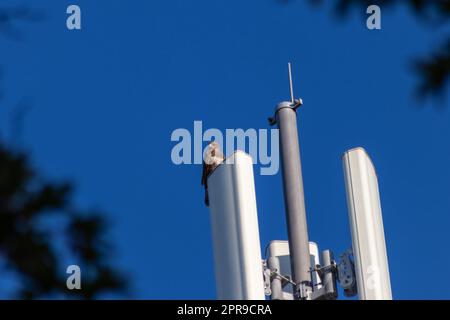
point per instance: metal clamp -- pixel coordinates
(346, 273)
(274, 281)
(327, 275)
(304, 291)
(291, 104)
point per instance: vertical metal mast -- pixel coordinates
(286, 117)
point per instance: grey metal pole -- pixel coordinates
(286, 118)
(276, 282)
(329, 279)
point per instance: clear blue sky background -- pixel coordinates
(106, 99)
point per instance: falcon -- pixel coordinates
(212, 159)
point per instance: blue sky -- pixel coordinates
(106, 99)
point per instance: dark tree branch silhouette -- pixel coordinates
(27, 244)
(433, 69)
(9, 17)
(41, 231)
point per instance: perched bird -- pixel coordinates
(212, 159)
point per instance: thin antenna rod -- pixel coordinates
(291, 86)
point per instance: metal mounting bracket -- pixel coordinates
(271, 274)
(291, 104)
(346, 273)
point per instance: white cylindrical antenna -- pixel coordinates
(235, 233)
(366, 223)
